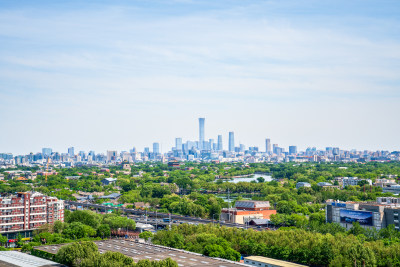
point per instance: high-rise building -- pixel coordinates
(292, 150)
(71, 152)
(201, 132)
(242, 148)
(268, 145)
(178, 143)
(335, 151)
(156, 148)
(220, 147)
(112, 155)
(210, 143)
(231, 142)
(91, 155)
(275, 148)
(46, 152)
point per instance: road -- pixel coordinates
(160, 215)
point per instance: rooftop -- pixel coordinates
(273, 261)
(16, 258)
(145, 251)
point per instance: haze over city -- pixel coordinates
(113, 75)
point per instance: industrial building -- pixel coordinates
(379, 214)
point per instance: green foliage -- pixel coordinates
(146, 235)
(74, 253)
(86, 217)
(295, 245)
(116, 222)
(78, 230)
(85, 254)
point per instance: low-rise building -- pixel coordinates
(351, 181)
(379, 214)
(108, 181)
(247, 210)
(392, 188)
(302, 184)
(384, 182)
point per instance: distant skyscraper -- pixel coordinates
(219, 147)
(292, 150)
(71, 152)
(156, 148)
(201, 132)
(46, 152)
(242, 148)
(112, 155)
(336, 151)
(211, 143)
(231, 142)
(275, 148)
(92, 155)
(178, 143)
(268, 145)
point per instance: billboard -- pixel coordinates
(350, 216)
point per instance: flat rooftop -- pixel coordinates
(145, 251)
(273, 262)
(16, 258)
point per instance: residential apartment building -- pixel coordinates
(28, 210)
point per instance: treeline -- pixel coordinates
(79, 225)
(86, 254)
(295, 245)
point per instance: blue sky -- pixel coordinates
(104, 75)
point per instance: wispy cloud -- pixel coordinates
(200, 57)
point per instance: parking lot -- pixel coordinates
(141, 251)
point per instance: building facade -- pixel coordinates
(201, 132)
(231, 142)
(247, 210)
(29, 210)
(379, 214)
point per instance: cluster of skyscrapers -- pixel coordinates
(202, 150)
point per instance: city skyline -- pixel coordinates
(113, 75)
(179, 142)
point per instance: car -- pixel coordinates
(259, 226)
(174, 221)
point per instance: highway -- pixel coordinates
(159, 215)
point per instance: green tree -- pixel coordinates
(78, 230)
(146, 235)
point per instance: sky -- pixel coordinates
(112, 75)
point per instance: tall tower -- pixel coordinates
(201, 132)
(156, 148)
(268, 145)
(178, 143)
(231, 142)
(220, 147)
